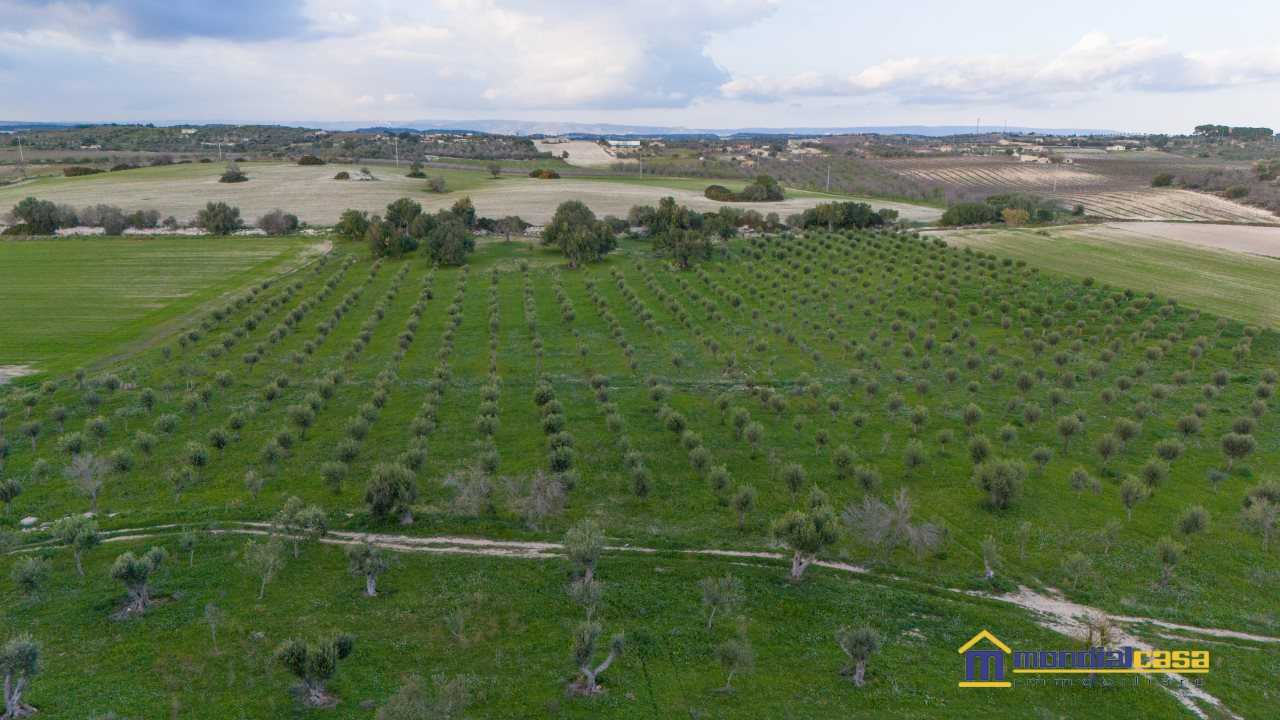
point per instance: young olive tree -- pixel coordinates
(722, 593)
(736, 656)
(264, 560)
(583, 544)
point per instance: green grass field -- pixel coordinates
(1234, 284)
(75, 301)
(896, 353)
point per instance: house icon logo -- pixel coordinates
(985, 668)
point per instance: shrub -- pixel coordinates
(233, 174)
(970, 213)
(79, 170)
(342, 175)
(449, 243)
(1162, 180)
(310, 160)
(278, 222)
(219, 218)
(544, 174)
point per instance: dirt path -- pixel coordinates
(9, 372)
(1050, 610)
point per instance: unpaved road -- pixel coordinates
(1050, 610)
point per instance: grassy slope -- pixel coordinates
(68, 302)
(1229, 283)
(1225, 579)
(515, 643)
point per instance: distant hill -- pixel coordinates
(533, 127)
(594, 130)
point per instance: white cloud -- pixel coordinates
(449, 55)
(1094, 64)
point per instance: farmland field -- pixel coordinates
(1221, 268)
(521, 398)
(67, 302)
(314, 196)
(1114, 187)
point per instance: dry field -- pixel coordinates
(1114, 186)
(987, 173)
(316, 198)
(1166, 204)
(583, 153)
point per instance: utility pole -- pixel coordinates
(828, 176)
(22, 161)
(397, 144)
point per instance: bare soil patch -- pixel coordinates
(9, 372)
(583, 153)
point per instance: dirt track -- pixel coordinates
(1050, 610)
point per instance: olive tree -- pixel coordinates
(78, 533)
(1262, 517)
(19, 664)
(858, 645)
(136, 572)
(301, 523)
(368, 561)
(87, 472)
(315, 663)
(720, 593)
(736, 656)
(586, 639)
(1001, 481)
(1169, 553)
(264, 560)
(583, 544)
(391, 490)
(806, 533)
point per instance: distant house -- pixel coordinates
(623, 143)
(1028, 158)
(188, 131)
(1117, 148)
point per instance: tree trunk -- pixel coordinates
(798, 564)
(859, 671)
(370, 585)
(262, 588)
(79, 565)
(728, 683)
(712, 617)
(406, 517)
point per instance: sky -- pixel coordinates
(1134, 66)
